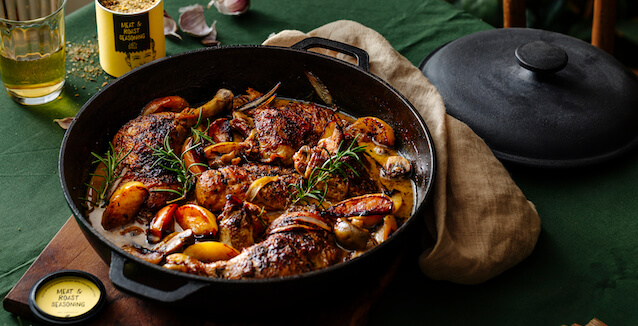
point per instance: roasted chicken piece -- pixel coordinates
(139, 136)
(300, 240)
(241, 223)
(296, 242)
(272, 186)
(306, 158)
(274, 191)
(307, 161)
(281, 131)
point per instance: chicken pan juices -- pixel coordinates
(249, 186)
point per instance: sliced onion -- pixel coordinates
(254, 188)
(319, 87)
(397, 201)
(310, 218)
(302, 220)
(221, 148)
(263, 100)
(291, 227)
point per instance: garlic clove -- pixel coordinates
(230, 7)
(64, 123)
(211, 38)
(170, 26)
(193, 22)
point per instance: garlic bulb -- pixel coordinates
(230, 7)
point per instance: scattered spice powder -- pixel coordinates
(128, 6)
(83, 62)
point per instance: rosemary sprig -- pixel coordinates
(198, 135)
(111, 161)
(171, 161)
(260, 217)
(334, 166)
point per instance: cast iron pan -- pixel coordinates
(196, 76)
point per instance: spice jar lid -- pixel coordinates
(67, 297)
(538, 98)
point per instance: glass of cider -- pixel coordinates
(32, 49)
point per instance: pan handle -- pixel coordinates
(363, 60)
(116, 274)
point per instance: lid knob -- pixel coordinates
(540, 56)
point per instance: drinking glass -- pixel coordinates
(32, 49)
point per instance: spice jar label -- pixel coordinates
(68, 296)
(131, 33)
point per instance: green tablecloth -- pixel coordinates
(586, 261)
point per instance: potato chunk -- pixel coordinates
(211, 251)
(124, 204)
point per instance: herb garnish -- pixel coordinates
(198, 135)
(111, 161)
(171, 161)
(332, 167)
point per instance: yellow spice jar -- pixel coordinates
(67, 297)
(130, 33)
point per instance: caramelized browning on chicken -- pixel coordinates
(138, 137)
(241, 223)
(283, 130)
(259, 187)
(288, 249)
(214, 185)
(141, 135)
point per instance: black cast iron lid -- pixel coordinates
(537, 97)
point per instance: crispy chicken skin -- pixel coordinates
(281, 254)
(139, 136)
(281, 131)
(240, 224)
(214, 185)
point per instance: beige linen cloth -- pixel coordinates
(481, 221)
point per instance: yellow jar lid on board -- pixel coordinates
(67, 297)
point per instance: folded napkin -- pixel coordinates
(480, 221)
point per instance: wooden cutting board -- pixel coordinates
(69, 249)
